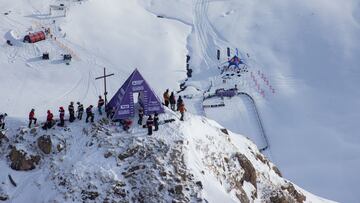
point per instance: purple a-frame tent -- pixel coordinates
(122, 104)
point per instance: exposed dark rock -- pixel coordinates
(199, 183)
(299, 197)
(3, 138)
(224, 130)
(242, 196)
(4, 197)
(21, 162)
(161, 187)
(91, 195)
(279, 197)
(33, 131)
(128, 153)
(181, 142)
(178, 189)
(44, 143)
(60, 147)
(135, 168)
(277, 171)
(119, 190)
(163, 173)
(250, 172)
(107, 155)
(262, 159)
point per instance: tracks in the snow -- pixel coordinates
(206, 34)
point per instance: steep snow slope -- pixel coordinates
(191, 161)
(308, 50)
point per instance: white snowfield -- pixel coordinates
(307, 49)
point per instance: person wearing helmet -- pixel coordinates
(32, 117)
(182, 110)
(89, 114)
(80, 110)
(62, 117)
(71, 112)
(2, 120)
(49, 120)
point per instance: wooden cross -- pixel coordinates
(104, 77)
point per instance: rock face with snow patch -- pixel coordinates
(21, 161)
(44, 143)
(3, 138)
(3, 196)
(101, 163)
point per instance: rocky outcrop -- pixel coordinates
(3, 195)
(250, 172)
(44, 143)
(280, 197)
(128, 153)
(21, 161)
(277, 171)
(299, 197)
(91, 195)
(3, 138)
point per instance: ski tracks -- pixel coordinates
(208, 38)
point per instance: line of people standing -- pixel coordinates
(50, 122)
(179, 103)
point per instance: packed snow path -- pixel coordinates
(245, 118)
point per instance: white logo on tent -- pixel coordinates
(137, 82)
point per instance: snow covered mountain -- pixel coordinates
(192, 161)
(301, 58)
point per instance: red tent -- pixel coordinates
(34, 37)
